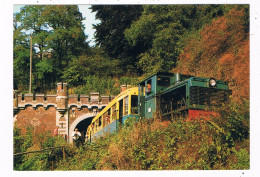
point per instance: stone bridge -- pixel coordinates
(46, 112)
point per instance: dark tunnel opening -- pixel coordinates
(83, 126)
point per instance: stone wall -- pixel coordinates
(46, 112)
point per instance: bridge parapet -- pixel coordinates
(94, 97)
(84, 99)
(28, 98)
(73, 99)
(22, 100)
(105, 99)
(39, 98)
(61, 101)
(50, 99)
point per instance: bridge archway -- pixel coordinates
(81, 123)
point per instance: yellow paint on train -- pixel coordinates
(111, 111)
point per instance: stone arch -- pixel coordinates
(77, 121)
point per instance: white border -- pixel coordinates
(6, 9)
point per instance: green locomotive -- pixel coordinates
(167, 94)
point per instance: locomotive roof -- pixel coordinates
(158, 73)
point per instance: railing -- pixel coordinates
(45, 149)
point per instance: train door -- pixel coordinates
(120, 111)
(141, 100)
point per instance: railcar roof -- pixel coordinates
(158, 73)
(110, 104)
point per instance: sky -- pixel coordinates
(88, 22)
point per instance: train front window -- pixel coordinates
(163, 81)
(134, 104)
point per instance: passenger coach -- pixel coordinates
(114, 114)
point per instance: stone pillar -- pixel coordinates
(94, 97)
(62, 97)
(62, 116)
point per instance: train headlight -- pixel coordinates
(212, 82)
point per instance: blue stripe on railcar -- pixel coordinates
(111, 128)
(108, 129)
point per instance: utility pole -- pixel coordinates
(30, 89)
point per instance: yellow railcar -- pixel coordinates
(121, 108)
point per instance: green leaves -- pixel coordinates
(44, 68)
(158, 31)
(109, 35)
(58, 37)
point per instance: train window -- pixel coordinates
(134, 104)
(141, 89)
(103, 121)
(163, 81)
(126, 105)
(99, 121)
(108, 116)
(148, 87)
(114, 112)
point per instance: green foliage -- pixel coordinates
(95, 64)
(153, 144)
(158, 30)
(31, 142)
(243, 160)
(129, 81)
(161, 30)
(110, 32)
(44, 69)
(21, 65)
(104, 86)
(58, 36)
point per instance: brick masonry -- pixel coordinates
(43, 120)
(46, 112)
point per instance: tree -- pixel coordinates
(58, 36)
(109, 33)
(160, 30)
(67, 38)
(21, 55)
(96, 62)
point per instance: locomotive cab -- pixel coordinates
(149, 90)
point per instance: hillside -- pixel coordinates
(222, 143)
(220, 50)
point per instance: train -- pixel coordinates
(162, 95)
